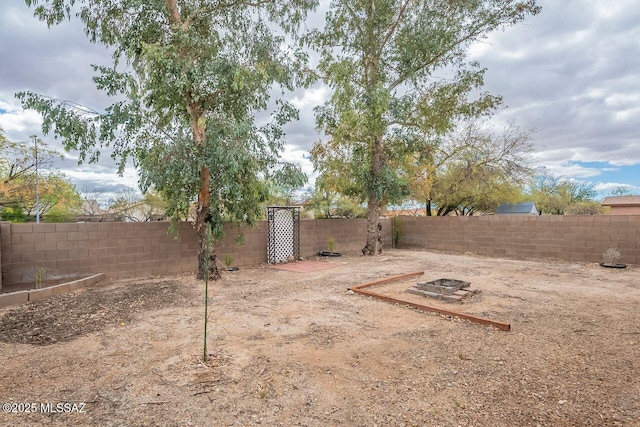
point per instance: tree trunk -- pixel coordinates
(203, 218)
(203, 205)
(374, 239)
(372, 78)
(428, 207)
(444, 211)
(373, 245)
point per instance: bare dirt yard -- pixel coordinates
(296, 349)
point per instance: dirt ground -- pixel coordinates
(296, 349)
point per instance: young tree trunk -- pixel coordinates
(428, 207)
(203, 217)
(203, 205)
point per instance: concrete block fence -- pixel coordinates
(571, 238)
(120, 249)
(143, 249)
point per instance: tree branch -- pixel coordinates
(393, 27)
(174, 13)
(402, 78)
(355, 20)
(206, 10)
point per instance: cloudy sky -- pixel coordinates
(572, 73)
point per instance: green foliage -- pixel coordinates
(466, 190)
(326, 204)
(40, 276)
(190, 78)
(228, 261)
(57, 197)
(57, 193)
(281, 185)
(13, 213)
(543, 192)
(331, 243)
(397, 230)
(384, 59)
(558, 197)
(346, 207)
(474, 170)
(154, 200)
(59, 214)
(321, 203)
(129, 205)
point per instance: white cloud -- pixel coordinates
(296, 155)
(18, 123)
(311, 97)
(571, 73)
(571, 170)
(607, 187)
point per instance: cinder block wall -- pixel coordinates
(572, 238)
(116, 249)
(142, 249)
(350, 236)
(5, 234)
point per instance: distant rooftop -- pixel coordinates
(621, 201)
(516, 208)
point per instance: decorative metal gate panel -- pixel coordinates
(283, 243)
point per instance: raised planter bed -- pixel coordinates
(30, 295)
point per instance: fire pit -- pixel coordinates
(445, 289)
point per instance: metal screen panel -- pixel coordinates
(283, 234)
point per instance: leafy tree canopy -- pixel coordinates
(190, 77)
(326, 204)
(400, 78)
(473, 169)
(19, 163)
(555, 196)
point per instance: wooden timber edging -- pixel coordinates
(473, 319)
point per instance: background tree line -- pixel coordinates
(56, 196)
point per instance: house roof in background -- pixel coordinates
(621, 201)
(525, 207)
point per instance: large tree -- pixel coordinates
(555, 196)
(195, 74)
(128, 205)
(400, 79)
(29, 183)
(472, 169)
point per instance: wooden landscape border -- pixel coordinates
(473, 319)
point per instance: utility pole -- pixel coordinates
(35, 143)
